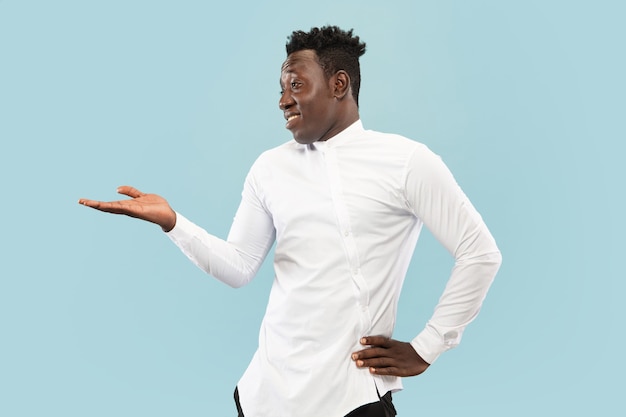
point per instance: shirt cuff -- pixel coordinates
(182, 229)
(429, 344)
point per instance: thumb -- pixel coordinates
(129, 191)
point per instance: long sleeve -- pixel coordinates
(236, 260)
(440, 203)
(346, 214)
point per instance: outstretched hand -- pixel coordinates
(386, 356)
(148, 207)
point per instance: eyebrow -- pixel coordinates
(280, 80)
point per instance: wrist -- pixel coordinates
(168, 225)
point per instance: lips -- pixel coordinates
(291, 118)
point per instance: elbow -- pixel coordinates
(239, 283)
(493, 259)
(498, 258)
(237, 279)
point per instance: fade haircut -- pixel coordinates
(336, 50)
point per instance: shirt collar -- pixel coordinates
(348, 133)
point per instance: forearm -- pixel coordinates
(228, 261)
(447, 212)
(458, 306)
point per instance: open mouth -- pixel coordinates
(290, 120)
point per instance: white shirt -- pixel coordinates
(346, 214)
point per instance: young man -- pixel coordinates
(345, 206)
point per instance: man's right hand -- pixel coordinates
(148, 207)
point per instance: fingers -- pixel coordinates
(376, 362)
(381, 365)
(377, 347)
(86, 202)
(376, 341)
(113, 206)
(387, 365)
(369, 353)
(376, 355)
(386, 356)
(373, 357)
(388, 370)
(129, 191)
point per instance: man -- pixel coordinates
(345, 206)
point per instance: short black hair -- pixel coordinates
(336, 50)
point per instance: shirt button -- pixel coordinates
(346, 233)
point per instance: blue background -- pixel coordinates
(101, 315)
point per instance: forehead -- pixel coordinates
(301, 62)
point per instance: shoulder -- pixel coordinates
(274, 158)
(391, 138)
(397, 144)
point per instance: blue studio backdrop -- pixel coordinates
(101, 315)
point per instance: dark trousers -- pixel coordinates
(382, 408)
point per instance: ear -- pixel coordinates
(341, 87)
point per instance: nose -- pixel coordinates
(285, 101)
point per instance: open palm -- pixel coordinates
(149, 207)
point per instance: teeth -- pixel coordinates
(292, 117)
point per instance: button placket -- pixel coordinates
(343, 220)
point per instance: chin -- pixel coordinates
(304, 140)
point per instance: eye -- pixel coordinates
(294, 85)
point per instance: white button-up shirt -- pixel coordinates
(345, 214)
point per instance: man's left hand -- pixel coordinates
(386, 356)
